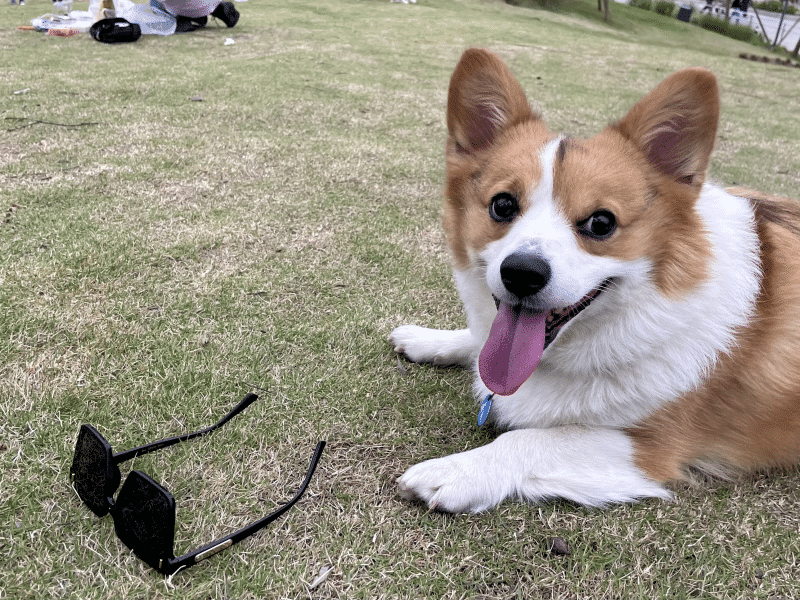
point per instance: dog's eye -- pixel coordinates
(503, 207)
(600, 226)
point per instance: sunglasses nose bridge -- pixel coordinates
(113, 482)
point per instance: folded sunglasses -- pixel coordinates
(144, 512)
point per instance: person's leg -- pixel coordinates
(187, 24)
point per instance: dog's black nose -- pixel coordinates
(524, 274)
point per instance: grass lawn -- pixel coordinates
(185, 221)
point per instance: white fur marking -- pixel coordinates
(590, 466)
(437, 346)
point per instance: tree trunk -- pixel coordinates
(780, 24)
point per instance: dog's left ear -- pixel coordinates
(675, 125)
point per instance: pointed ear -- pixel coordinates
(484, 99)
(675, 125)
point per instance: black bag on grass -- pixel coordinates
(114, 31)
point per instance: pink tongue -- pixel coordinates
(513, 350)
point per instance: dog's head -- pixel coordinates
(556, 224)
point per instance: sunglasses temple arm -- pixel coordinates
(218, 545)
(165, 443)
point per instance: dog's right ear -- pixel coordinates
(484, 99)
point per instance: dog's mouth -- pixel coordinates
(558, 317)
(518, 338)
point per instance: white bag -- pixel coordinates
(152, 18)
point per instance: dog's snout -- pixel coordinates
(524, 274)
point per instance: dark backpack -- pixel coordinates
(114, 31)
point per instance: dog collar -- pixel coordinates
(483, 412)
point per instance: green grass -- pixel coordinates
(161, 256)
(732, 30)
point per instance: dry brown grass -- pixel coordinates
(157, 265)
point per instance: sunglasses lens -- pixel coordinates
(144, 518)
(92, 470)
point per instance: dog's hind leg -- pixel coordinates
(437, 346)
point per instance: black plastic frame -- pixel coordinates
(128, 501)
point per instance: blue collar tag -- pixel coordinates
(486, 406)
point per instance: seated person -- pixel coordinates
(193, 14)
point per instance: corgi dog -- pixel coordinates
(627, 320)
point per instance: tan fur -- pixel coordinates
(675, 125)
(610, 172)
(674, 128)
(494, 131)
(747, 413)
(482, 85)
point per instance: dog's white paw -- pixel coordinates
(437, 346)
(457, 483)
(418, 344)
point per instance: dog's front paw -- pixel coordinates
(418, 344)
(440, 347)
(457, 483)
